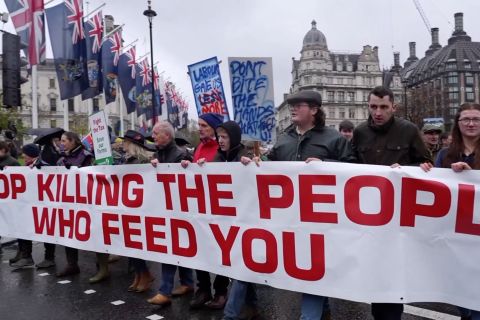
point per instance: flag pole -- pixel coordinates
(65, 115)
(34, 97)
(94, 11)
(120, 107)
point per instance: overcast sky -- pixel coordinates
(189, 31)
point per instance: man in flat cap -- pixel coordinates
(431, 136)
(308, 139)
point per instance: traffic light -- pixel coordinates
(11, 66)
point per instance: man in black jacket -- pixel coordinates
(386, 140)
(163, 135)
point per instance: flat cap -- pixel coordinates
(309, 96)
(429, 127)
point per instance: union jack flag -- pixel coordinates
(28, 18)
(131, 54)
(145, 72)
(96, 31)
(156, 79)
(116, 40)
(76, 18)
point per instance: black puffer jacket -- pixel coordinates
(397, 141)
(320, 142)
(237, 149)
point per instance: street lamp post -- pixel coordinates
(150, 14)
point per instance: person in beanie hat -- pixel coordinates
(206, 151)
(31, 155)
(207, 123)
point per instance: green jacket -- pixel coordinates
(8, 161)
(320, 142)
(397, 141)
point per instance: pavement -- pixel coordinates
(37, 294)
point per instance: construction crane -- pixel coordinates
(422, 14)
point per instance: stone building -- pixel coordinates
(447, 76)
(343, 79)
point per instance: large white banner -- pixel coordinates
(356, 232)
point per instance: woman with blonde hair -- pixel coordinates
(137, 152)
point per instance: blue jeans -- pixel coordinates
(467, 312)
(312, 307)
(168, 277)
(241, 293)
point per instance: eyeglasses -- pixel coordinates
(466, 121)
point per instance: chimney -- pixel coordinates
(413, 53)
(396, 59)
(375, 51)
(459, 34)
(435, 40)
(458, 22)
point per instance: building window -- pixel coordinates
(469, 80)
(96, 106)
(351, 113)
(307, 79)
(339, 67)
(453, 111)
(467, 64)
(365, 96)
(329, 80)
(452, 78)
(307, 66)
(453, 94)
(341, 113)
(469, 94)
(51, 83)
(351, 96)
(71, 105)
(331, 113)
(341, 96)
(452, 65)
(331, 96)
(53, 123)
(53, 104)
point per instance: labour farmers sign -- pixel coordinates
(356, 232)
(101, 139)
(208, 88)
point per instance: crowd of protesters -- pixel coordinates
(381, 140)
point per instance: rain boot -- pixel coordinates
(103, 272)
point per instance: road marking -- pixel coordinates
(89, 291)
(44, 274)
(117, 303)
(64, 282)
(154, 317)
(429, 314)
